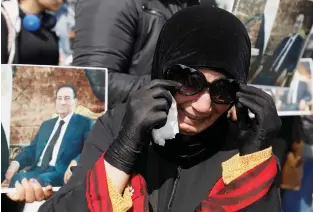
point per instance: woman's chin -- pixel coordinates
(187, 129)
(189, 126)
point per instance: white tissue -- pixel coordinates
(170, 129)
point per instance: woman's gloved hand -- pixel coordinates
(256, 134)
(147, 108)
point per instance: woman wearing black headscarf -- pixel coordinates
(202, 59)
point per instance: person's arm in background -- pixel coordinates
(105, 37)
(97, 81)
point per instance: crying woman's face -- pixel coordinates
(196, 113)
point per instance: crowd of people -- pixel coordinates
(189, 58)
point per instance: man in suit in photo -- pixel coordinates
(297, 98)
(57, 144)
(284, 60)
(299, 94)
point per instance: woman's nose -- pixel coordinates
(203, 102)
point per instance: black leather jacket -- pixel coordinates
(120, 35)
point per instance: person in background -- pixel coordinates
(26, 32)
(288, 147)
(300, 200)
(121, 35)
(207, 166)
(65, 24)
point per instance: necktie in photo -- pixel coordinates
(48, 154)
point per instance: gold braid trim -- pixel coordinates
(120, 203)
(238, 165)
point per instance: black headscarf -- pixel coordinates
(207, 37)
(204, 36)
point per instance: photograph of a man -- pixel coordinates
(299, 96)
(58, 143)
(283, 62)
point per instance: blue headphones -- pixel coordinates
(33, 22)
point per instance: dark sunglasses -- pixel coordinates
(222, 90)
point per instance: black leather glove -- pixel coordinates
(256, 134)
(147, 108)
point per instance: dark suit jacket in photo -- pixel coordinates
(291, 59)
(71, 146)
